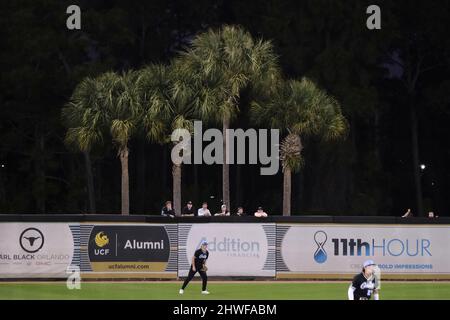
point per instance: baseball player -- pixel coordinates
(366, 284)
(198, 265)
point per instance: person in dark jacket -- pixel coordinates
(188, 211)
(167, 210)
(240, 212)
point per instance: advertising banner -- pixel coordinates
(35, 250)
(244, 249)
(123, 250)
(342, 249)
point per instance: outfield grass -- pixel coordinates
(219, 291)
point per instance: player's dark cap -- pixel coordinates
(204, 243)
(260, 208)
(189, 202)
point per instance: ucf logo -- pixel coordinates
(101, 240)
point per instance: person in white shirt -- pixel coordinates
(223, 211)
(204, 211)
(260, 213)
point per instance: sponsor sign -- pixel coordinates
(397, 249)
(128, 248)
(245, 249)
(39, 250)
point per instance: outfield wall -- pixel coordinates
(331, 251)
(116, 247)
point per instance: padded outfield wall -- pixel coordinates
(153, 247)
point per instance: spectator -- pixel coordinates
(260, 213)
(188, 211)
(240, 212)
(431, 214)
(203, 211)
(408, 214)
(167, 210)
(223, 211)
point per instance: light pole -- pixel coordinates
(422, 167)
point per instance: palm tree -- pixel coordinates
(122, 101)
(153, 85)
(227, 60)
(167, 96)
(301, 109)
(81, 117)
(101, 106)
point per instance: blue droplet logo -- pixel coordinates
(320, 256)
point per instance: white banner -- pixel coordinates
(246, 249)
(38, 250)
(342, 249)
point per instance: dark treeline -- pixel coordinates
(392, 84)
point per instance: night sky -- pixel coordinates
(392, 85)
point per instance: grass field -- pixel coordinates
(219, 291)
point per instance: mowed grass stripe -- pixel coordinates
(219, 291)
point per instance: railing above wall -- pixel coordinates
(231, 219)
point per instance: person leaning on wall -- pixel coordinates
(188, 210)
(167, 210)
(260, 213)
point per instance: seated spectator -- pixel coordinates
(260, 213)
(223, 211)
(240, 212)
(167, 210)
(203, 211)
(188, 211)
(408, 214)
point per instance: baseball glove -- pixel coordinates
(204, 268)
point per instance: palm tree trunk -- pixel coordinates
(90, 182)
(176, 175)
(225, 166)
(287, 189)
(123, 154)
(415, 153)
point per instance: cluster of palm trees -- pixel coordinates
(204, 82)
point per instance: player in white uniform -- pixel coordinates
(367, 283)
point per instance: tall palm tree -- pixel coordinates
(122, 101)
(106, 105)
(168, 96)
(84, 128)
(153, 84)
(229, 60)
(301, 109)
